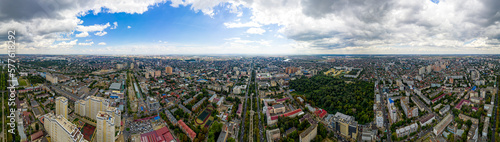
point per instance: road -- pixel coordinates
(261, 128)
(494, 117)
(384, 111)
(245, 108)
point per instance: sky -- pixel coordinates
(284, 27)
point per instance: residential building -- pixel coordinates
(52, 78)
(392, 111)
(116, 113)
(62, 106)
(427, 119)
(445, 109)
(91, 106)
(439, 128)
(465, 118)
(198, 104)
(345, 125)
(190, 133)
(409, 111)
(168, 70)
(61, 130)
(171, 117)
(105, 127)
(309, 134)
(290, 70)
(407, 130)
(273, 134)
(379, 118)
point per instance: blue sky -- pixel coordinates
(179, 26)
(252, 26)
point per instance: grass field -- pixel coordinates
(209, 122)
(203, 117)
(22, 82)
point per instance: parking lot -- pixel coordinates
(140, 127)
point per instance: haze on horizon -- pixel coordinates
(284, 27)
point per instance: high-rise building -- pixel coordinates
(345, 125)
(80, 107)
(290, 70)
(421, 70)
(91, 105)
(116, 113)
(62, 106)
(105, 127)
(119, 66)
(168, 70)
(409, 111)
(157, 73)
(52, 78)
(380, 119)
(61, 130)
(428, 68)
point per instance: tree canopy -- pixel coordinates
(353, 98)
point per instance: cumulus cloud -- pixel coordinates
(82, 34)
(242, 25)
(86, 44)
(41, 23)
(337, 24)
(323, 25)
(115, 24)
(101, 33)
(256, 31)
(101, 43)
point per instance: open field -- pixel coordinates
(203, 117)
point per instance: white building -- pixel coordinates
(62, 106)
(61, 130)
(90, 106)
(380, 119)
(105, 127)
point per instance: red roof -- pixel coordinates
(36, 135)
(320, 112)
(281, 100)
(186, 129)
(438, 98)
(286, 114)
(240, 108)
(459, 105)
(164, 134)
(149, 137)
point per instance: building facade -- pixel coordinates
(61, 130)
(309, 134)
(90, 106)
(62, 106)
(105, 127)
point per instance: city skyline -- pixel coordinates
(259, 27)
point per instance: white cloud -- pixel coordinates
(86, 44)
(101, 43)
(92, 28)
(241, 25)
(42, 22)
(259, 31)
(65, 44)
(101, 33)
(115, 25)
(82, 34)
(332, 25)
(128, 27)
